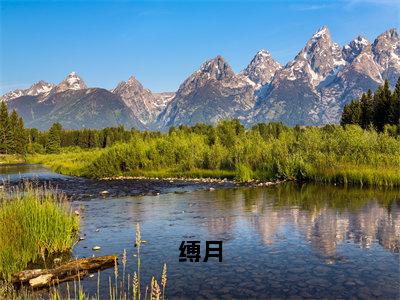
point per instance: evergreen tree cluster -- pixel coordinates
(13, 135)
(380, 109)
(16, 139)
(52, 140)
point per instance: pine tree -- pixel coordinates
(394, 113)
(21, 138)
(351, 113)
(5, 130)
(53, 143)
(382, 101)
(366, 110)
(13, 132)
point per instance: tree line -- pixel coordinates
(380, 109)
(52, 140)
(16, 139)
(13, 136)
(332, 154)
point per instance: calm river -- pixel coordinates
(278, 242)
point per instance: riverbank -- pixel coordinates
(269, 153)
(35, 224)
(81, 188)
(6, 159)
(326, 238)
(333, 154)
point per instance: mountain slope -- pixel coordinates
(37, 88)
(312, 89)
(386, 50)
(144, 104)
(211, 93)
(73, 105)
(293, 95)
(261, 68)
(75, 109)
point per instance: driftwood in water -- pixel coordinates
(67, 272)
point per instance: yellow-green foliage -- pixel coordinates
(332, 154)
(33, 224)
(70, 161)
(11, 159)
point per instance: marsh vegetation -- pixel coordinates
(331, 154)
(35, 223)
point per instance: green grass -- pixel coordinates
(360, 175)
(67, 162)
(11, 159)
(34, 223)
(348, 156)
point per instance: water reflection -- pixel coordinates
(16, 172)
(288, 240)
(326, 217)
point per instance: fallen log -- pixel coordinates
(72, 270)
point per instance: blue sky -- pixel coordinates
(162, 42)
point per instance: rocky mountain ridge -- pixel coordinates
(309, 90)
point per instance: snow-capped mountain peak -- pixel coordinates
(319, 58)
(310, 90)
(386, 49)
(354, 48)
(217, 68)
(144, 104)
(261, 68)
(322, 53)
(38, 88)
(71, 82)
(322, 31)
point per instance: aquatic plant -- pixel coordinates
(34, 223)
(123, 288)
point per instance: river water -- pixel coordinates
(283, 241)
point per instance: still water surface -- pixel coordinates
(284, 241)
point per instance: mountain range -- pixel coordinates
(312, 89)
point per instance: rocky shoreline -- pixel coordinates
(79, 188)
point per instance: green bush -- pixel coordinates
(346, 155)
(243, 173)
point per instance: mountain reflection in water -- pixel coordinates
(287, 240)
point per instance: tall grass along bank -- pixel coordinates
(332, 154)
(34, 223)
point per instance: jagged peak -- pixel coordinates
(40, 82)
(354, 48)
(322, 31)
(361, 40)
(388, 34)
(321, 38)
(216, 61)
(262, 56)
(131, 82)
(217, 68)
(261, 68)
(358, 43)
(132, 79)
(40, 87)
(71, 82)
(263, 53)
